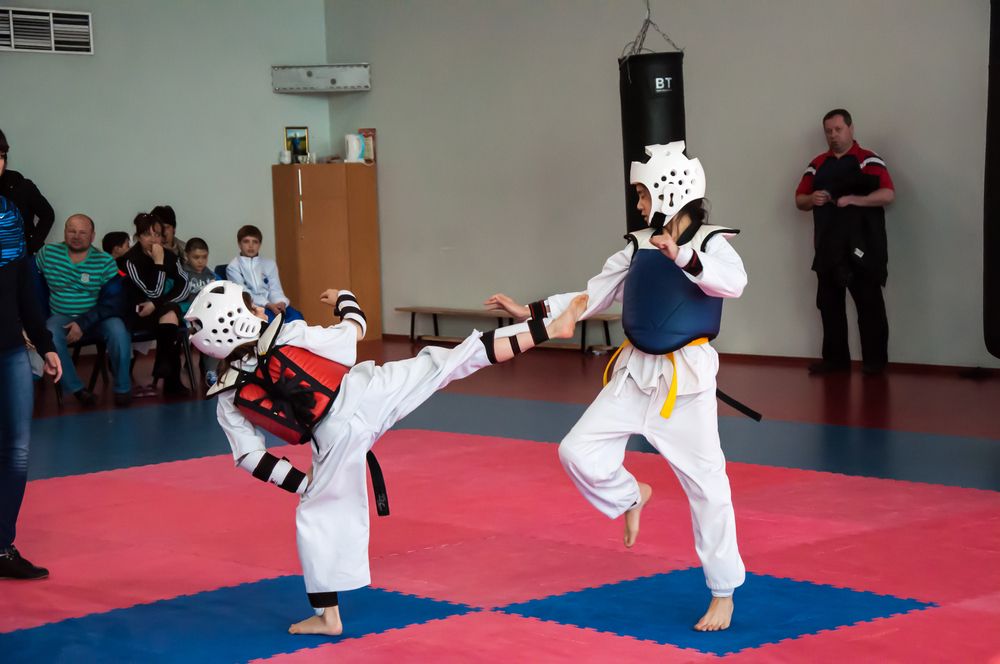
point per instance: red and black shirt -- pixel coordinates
(851, 236)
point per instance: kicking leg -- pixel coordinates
(501, 349)
(390, 392)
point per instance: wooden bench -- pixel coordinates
(503, 318)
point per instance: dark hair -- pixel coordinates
(194, 244)
(249, 231)
(165, 214)
(842, 112)
(113, 239)
(4, 147)
(697, 210)
(144, 222)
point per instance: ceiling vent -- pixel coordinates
(43, 31)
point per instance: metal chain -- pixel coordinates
(637, 45)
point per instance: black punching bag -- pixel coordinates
(652, 95)
(991, 203)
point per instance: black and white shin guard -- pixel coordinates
(489, 343)
(347, 308)
(536, 324)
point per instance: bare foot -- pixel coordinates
(632, 515)
(718, 616)
(328, 624)
(564, 326)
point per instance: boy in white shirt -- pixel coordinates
(259, 275)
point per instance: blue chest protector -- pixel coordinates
(662, 310)
(12, 244)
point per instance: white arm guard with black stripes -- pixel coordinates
(268, 468)
(347, 308)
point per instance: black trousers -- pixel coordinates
(873, 325)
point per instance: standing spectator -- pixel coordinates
(847, 189)
(156, 285)
(16, 392)
(168, 222)
(259, 275)
(36, 213)
(85, 299)
(116, 243)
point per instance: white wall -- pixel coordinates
(500, 150)
(175, 106)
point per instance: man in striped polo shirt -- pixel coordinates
(847, 189)
(85, 301)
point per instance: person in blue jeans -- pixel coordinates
(16, 389)
(86, 299)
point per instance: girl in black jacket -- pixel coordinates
(156, 284)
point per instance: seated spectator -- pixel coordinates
(156, 284)
(116, 243)
(199, 276)
(259, 276)
(168, 222)
(85, 299)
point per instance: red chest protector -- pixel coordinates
(291, 390)
(289, 393)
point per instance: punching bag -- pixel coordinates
(991, 202)
(651, 87)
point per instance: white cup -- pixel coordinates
(285, 157)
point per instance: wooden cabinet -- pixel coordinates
(326, 236)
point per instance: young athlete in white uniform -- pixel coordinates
(671, 280)
(301, 383)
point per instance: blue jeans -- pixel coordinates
(16, 403)
(119, 342)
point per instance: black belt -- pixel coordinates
(378, 485)
(743, 408)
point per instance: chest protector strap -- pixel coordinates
(290, 392)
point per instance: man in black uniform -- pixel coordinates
(847, 189)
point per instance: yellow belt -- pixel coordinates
(668, 405)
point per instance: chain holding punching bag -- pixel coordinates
(991, 202)
(651, 87)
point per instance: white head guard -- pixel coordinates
(220, 320)
(672, 179)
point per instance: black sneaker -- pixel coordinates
(86, 398)
(825, 367)
(123, 399)
(13, 566)
(873, 368)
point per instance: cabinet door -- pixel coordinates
(287, 228)
(366, 271)
(324, 248)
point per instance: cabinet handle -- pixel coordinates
(300, 212)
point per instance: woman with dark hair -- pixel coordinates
(168, 227)
(156, 284)
(17, 283)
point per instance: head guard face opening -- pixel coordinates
(672, 179)
(220, 320)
